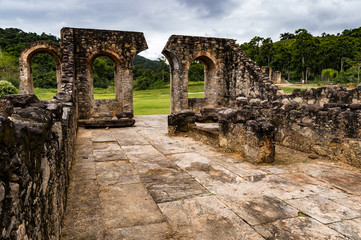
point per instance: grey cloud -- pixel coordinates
(237, 19)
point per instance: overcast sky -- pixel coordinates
(158, 19)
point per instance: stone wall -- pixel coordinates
(324, 121)
(36, 151)
(229, 73)
(74, 59)
(121, 47)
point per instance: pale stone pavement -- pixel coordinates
(139, 183)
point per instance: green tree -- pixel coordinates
(304, 48)
(329, 73)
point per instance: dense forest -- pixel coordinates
(298, 55)
(302, 56)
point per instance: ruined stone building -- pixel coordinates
(250, 115)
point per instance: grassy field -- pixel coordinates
(146, 102)
(289, 88)
(155, 101)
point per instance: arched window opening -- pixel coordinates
(103, 78)
(196, 77)
(45, 75)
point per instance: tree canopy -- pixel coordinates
(300, 55)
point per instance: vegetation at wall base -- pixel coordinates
(7, 88)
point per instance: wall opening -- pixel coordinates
(196, 77)
(103, 72)
(45, 73)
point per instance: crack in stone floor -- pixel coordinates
(139, 183)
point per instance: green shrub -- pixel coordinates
(7, 88)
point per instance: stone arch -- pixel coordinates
(210, 73)
(172, 59)
(25, 73)
(118, 62)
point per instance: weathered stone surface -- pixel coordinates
(124, 115)
(206, 218)
(125, 205)
(323, 209)
(349, 228)
(166, 185)
(188, 190)
(103, 123)
(297, 228)
(36, 153)
(21, 100)
(6, 108)
(154, 231)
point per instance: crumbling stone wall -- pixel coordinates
(121, 47)
(229, 73)
(252, 112)
(36, 151)
(74, 59)
(254, 125)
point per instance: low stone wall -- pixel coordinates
(324, 121)
(325, 95)
(36, 151)
(331, 129)
(253, 139)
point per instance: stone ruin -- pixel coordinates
(243, 111)
(37, 138)
(74, 58)
(250, 115)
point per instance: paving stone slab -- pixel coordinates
(83, 170)
(83, 229)
(129, 138)
(150, 232)
(204, 170)
(323, 209)
(263, 209)
(348, 228)
(351, 202)
(110, 155)
(298, 228)
(242, 169)
(102, 135)
(165, 144)
(206, 218)
(146, 158)
(83, 215)
(126, 205)
(171, 185)
(113, 172)
(106, 146)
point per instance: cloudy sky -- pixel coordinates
(158, 19)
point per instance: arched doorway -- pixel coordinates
(120, 86)
(196, 76)
(211, 84)
(41, 52)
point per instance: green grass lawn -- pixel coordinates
(146, 102)
(303, 87)
(155, 101)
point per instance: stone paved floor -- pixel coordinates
(138, 183)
